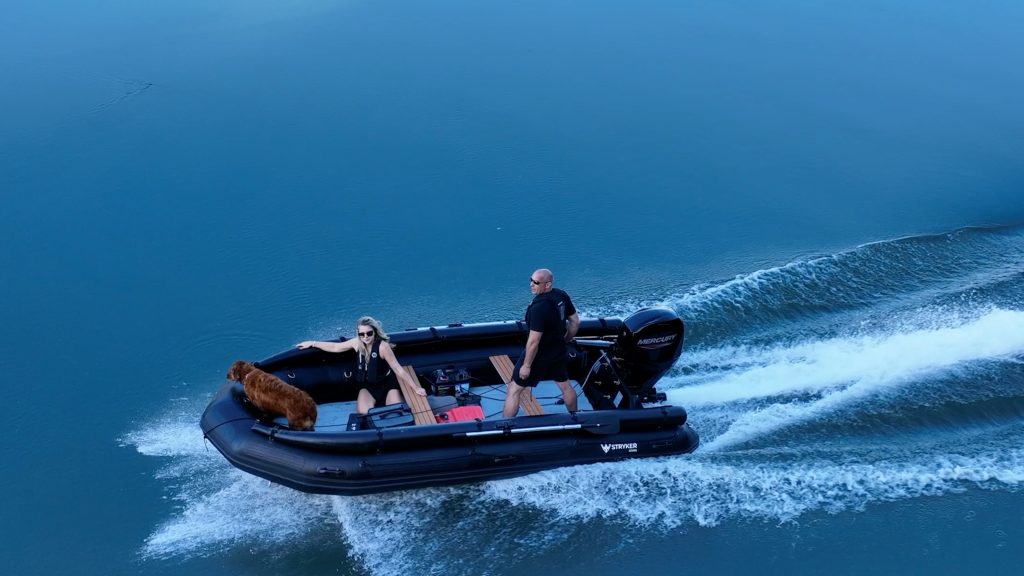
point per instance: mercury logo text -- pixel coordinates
(657, 340)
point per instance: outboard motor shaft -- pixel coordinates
(648, 344)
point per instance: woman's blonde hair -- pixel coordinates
(378, 331)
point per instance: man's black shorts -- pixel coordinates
(554, 371)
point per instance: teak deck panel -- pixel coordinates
(421, 411)
(503, 364)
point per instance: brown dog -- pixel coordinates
(274, 396)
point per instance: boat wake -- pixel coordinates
(891, 372)
(813, 381)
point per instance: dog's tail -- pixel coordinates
(306, 419)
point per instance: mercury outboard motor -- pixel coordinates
(648, 344)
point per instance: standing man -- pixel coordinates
(552, 321)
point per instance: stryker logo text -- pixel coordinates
(609, 447)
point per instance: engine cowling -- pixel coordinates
(648, 344)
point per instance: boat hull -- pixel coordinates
(413, 457)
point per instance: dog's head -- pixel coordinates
(239, 370)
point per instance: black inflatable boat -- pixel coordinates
(457, 434)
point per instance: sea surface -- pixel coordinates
(830, 193)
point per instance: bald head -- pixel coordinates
(540, 281)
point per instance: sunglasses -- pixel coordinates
(365, 334)
(535, 283)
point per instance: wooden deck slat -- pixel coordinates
(503, 364)
(421, 411)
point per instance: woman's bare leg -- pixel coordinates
(365, 401)
(393, 397)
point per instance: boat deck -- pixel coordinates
(334, 416)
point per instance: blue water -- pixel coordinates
(828, 192)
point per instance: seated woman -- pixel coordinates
(379, 385)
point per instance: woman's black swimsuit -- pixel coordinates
(369, 377)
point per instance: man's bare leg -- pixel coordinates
(512, 400)
(569, 395)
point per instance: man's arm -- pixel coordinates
(532, 345)
(572, 326)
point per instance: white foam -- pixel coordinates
(248, 512)
(383, 530)
(393, 534)
(668, 493)
(738, 289)
(218, 506)
(167, 438)
(840, 371)
(455, 530)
